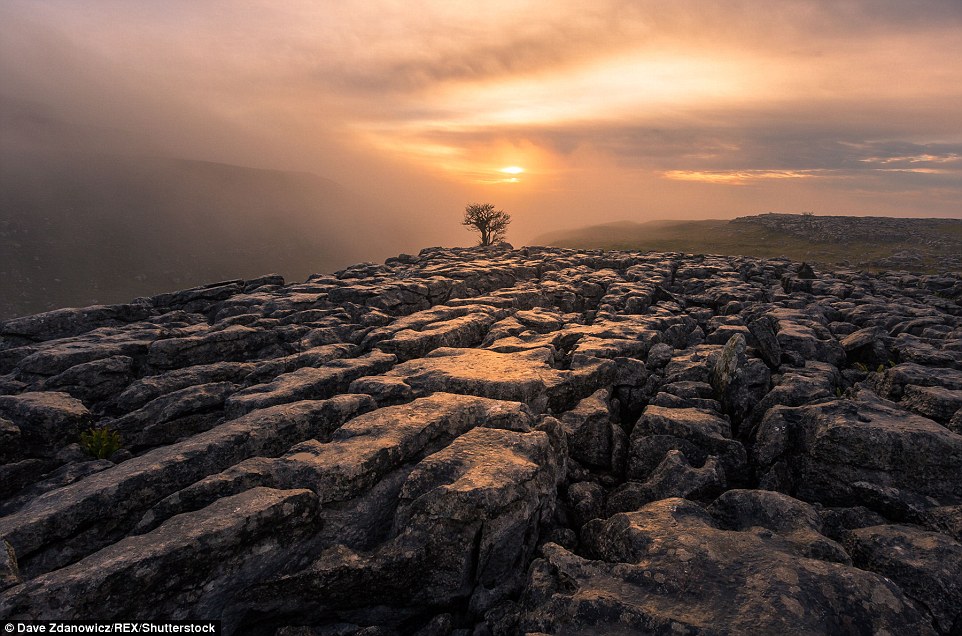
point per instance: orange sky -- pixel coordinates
(621, 110)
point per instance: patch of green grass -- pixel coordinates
(100, 442)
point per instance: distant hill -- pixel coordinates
(82, 229)
(863, 242)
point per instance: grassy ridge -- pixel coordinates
(937, 243)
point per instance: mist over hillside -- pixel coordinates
(83, 228)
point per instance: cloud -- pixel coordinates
(635, 105)
(736, 177)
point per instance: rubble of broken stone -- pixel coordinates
(498, 441)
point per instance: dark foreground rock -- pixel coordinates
(495, 441)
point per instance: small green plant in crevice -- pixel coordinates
(861, 367)
(880, 369)
(838, 392)
(100, 442)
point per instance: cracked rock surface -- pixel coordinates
(495, 441)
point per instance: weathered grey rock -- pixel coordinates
(793, 520)
(9, 572)
(385, 390)
(525, 376)
(586, 501)
(673, 477)
(464, 331)
(201, 298)
(168, 418)
(706, 434)
(66, 474)
(739, 383)
(308, 383)
(691, 365)
(146, 389)
(589, 429)
(426, 490)
(944, 519)
(893, 382)
(93, 381)
(689, 390)
(926, 565)
(56, 356)
(672, 401)
(933, 402)
(502, 487)
(731, 582)
(765, 330)
(816, 381)
(235, 343)
(955, 423)
(866, 346)
(313, 357)
(46, 420)
(659, 355)
(127, 489)
(16, 475)
(808, 339)
(9, 441)
(229, 546)
(834, 452)
(62, 323)
(341, 464)
(467, 515)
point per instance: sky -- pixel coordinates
(563, 113)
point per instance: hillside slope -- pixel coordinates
(864, 242)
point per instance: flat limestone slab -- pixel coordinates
(145, 574)
(522, 376)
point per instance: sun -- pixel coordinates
(512, 170)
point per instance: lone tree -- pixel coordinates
(490, 223)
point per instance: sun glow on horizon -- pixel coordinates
(512, 170)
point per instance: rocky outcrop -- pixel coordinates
(495, 441)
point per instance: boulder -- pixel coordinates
(463, 331)
(142, 391)
(739, 383)
(175, 415)
(66, 524)
(47, 420)
(893, 382)
(860, 451)
(309, 383)
(586, 501)
(926, 565)
(698, 434)
(865, 346)
(589, 429)
(751, 581)
(93, 381)
(673, 477)
(933, 402)
(235, 343)
(230, 546)
(467, 515)
(765, 331)
(525, 376)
